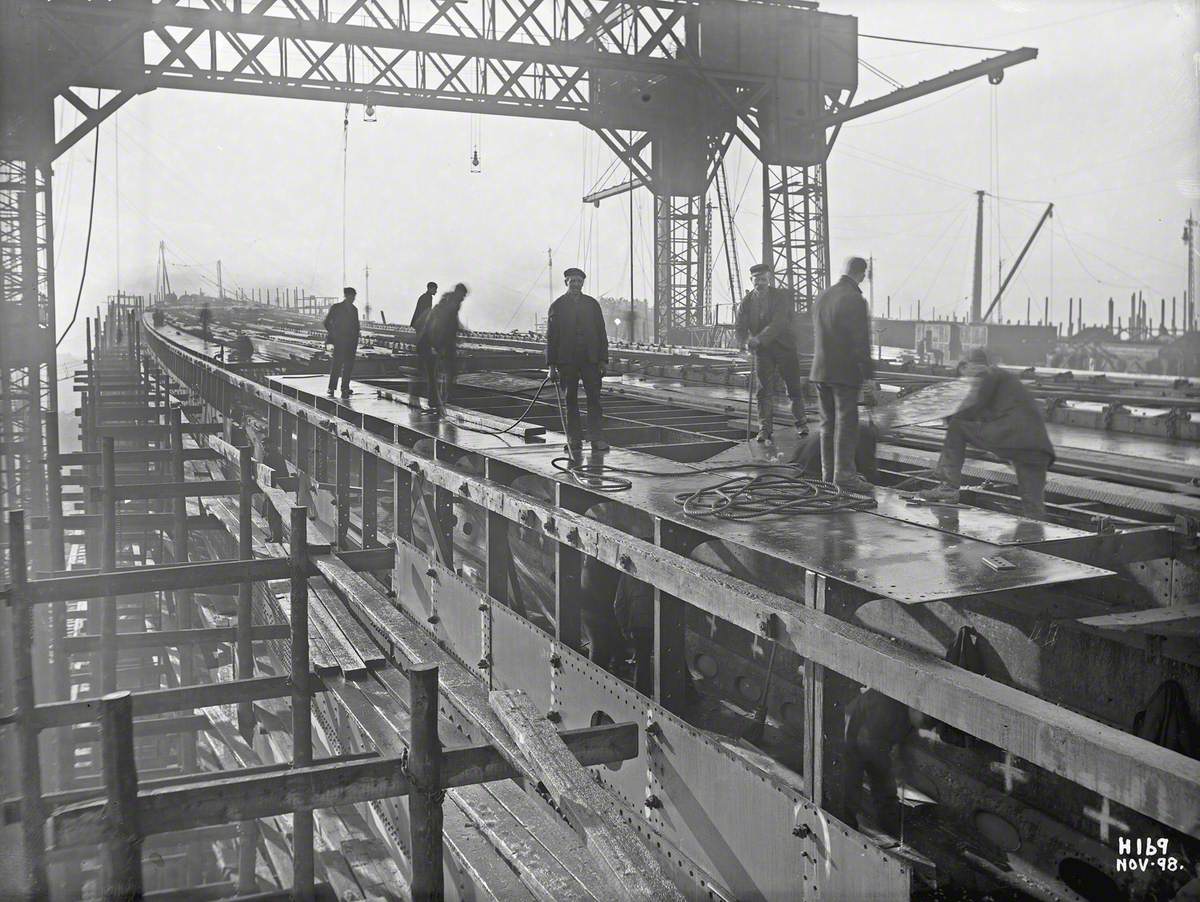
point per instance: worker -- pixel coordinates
(577, 351)
(242, 349)
(341, 328)
(999, 415)
(205, 319)
(158, 318)
(807, 456)
(437, 345)
(875, 724)
(841, 363)
(424, 304)
(765, 328)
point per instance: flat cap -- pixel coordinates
(761, 268)
(574, 271)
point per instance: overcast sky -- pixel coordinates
(1104, 124)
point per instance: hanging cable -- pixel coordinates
(345, 170)
(117, 197)
(881, 37)
(87, 245)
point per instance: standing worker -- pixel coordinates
(1001, 416)
(764, 326)
(841, 364)
(437, 345)
(424, 304)
(205, 319)
(341, 330)
(577, 350)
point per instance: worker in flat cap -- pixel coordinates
(342, 330)
(841, 364)
(577, 351)
(999, 415)
(764, 327)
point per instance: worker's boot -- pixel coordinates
(802, 430)
(940, 494)
(856, 485)
(600, 445)
(765, 436)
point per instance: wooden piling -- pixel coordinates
(32, 818)
(302, 820)
(425, 797)
(108, 563)
(183, 597)
(247, 830)
(123, 835)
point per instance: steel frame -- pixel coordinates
(28, 385)
(679, 270)
(1137, 774)
(796, 230)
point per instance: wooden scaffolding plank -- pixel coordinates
(1167, 621)
(632, 871)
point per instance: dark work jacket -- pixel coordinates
(808, 453)
(875, 723)
(424, 305)
(341, 323)
(768, 317)
(575, 332)
(842, 336)
(1009, 421)
(439, 329)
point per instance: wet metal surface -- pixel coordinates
(908, 561)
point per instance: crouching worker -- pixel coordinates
(875, 724)
(807, 456)
(1000, 416)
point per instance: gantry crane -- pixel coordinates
(668, 85)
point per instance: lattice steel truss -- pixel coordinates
(679, 267)
(27, 357)
(796, 236)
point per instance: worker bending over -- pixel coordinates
(1001, 416)
(341, 331)
(437, 345)
(841, 363)
(424, 304)
(764, 327)
(807, 456)
(577, 351)
(875, 724)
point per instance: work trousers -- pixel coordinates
(876, 764)
(342, 366)
(439, 369)
(1031, 471)
(770, 361)
(839, 430)
(569, 378)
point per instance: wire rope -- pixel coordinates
(87, 246)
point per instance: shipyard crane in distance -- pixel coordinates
(667, 85)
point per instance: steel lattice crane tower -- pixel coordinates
(667, 86)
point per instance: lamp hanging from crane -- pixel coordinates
(476, 140)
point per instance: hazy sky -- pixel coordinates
(1104, 123)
